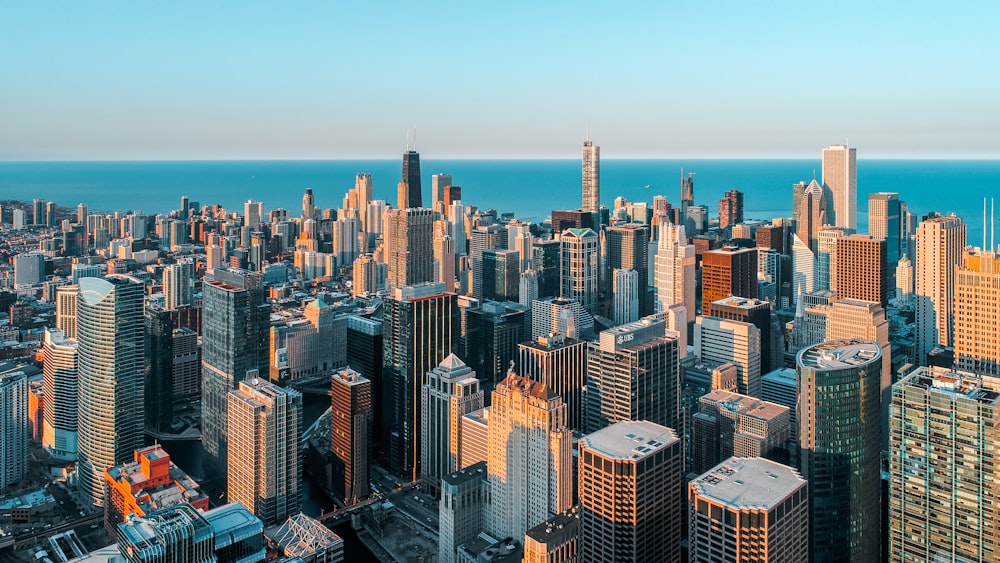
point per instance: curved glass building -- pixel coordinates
(110, 333)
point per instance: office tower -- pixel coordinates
(308, 205)
(631, 503)
(60, 370)
(803, 267)
(591, 177)
(175, 533)
(904, 283)
(17, 219)
(252, 213)
(825, 266)
(412, 195)
(559, 363)
(940, 241)
(178, 284)
(235, 337)
(696, 222)
(757, 313)
(350, 434)
(38, 215)
(451, 392)
(411, 254)
(420, 326)
(530, 457)
(363, 187)
(527, 288)
(186, 364)
(736, 342)
(838, 409)
(571, 219)
(264, 465)
(942, 473)
(840, 178)
(812, 213)
(185, 207)
(452, 196)
(500, 274)
(729, 424)
(625, 296)
(308, 347)
(580, 266)
(66, 297)
(488, 339)
(633, 373)
(771, 236)
(675, 270)
(369, 275)
(884, 211)
(626, 247)
(483, 238)
(158, 347)
(769, 275)
(14, 428)
(50, 214)
(29, 268)
(748, 509)
(556, 540)
(475, 437)
(545, 257)
(109, 329)
(730, 209)
(687, 195)
(977, 313)
(861, 271)
(560, 315)
(444, 257)
(461, 510)
(780, 387)
(148, 482)
(439, 182)
(728, 271)
(345, 245)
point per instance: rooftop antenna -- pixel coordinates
(993, 203)
(588, 130)
(414, 137)
(984, 223)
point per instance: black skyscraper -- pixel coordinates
(411, 177)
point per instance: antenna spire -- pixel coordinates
(414, 137)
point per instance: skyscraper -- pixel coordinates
(884, 222)
(769, 501)
(861, 269)
(451, 392)
(625, 296)
(235, 341)
(264, 466)
(500, 274)
(411, 252)
(14, 428)
(838, 417)
(158, 346)
(545, 257)
(840, 177)
(559, 363)
(736, 342)
(675, 270)
(580, 267)
(633, 374)
(632, 504)
(626, 247)
(420, 327)
(591, 177)
(530, 457)
(977, 313)
(940, 241)
(825, 268)
(943, 501)
(438, 184)
(411, 177)
(728, 271)
(60, 369)
(66, 297)
(110, 332)
(308, 205)
(729, 424)
(757, 313)
(351, 434)
(462, 507)
(731, 209)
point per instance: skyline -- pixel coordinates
(220, 82)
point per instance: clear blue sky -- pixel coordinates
(144, 80)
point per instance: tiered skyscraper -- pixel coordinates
(411, 177)
(580, 267)
(451, 392)
(110, 332)
(560, 363)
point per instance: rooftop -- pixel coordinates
(630, 439)
(742, 404)
(954, 383)
(302, 536)
(748, 483)
(840, 354)
(740, 302)
(475, 471)
(558, 529)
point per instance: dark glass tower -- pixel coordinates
(159, 387)
(411, 177)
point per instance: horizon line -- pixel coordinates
(493, 158)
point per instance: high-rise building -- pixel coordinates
(475, 437)
(940, 241)
(757, 313)
(38, 215)
(563, 219)
(771, 236)
(728, 271)
(942, 500)
(748, 509)
(444, 256)
(559, 363)
(803, 267)
(591, 177)
(825, 266)
(420, 327)
(625, 296)
(840, 177)
(411, 254)
(175, 533)
(29, 268)
(675, 270)
(14, 428)
(530, 457)
(904, 283)
(977, 313)
(364, 355)
(483, 238)
(308, 205)
(110, 332)
(264, 467)
(730, 209)
(633, 373)
(545, 257)
(451, 392)
(60, 369)
(861, 269)
(580, 267)
(158, 351)
(500, 274)
(369, 275)
(452, 195)
(560, 315)
(812, 212)
(556, 540)
(350, 434)
(884, 222)
(626, 247)
(488, 339)
(839, 449)
(438, 184)
(462, 507)
(186, 364)
(252, 213)
(411, 178)
(736, 342)
(527, 288)
(146, 483)
(631, 501)
(729, 424)
(235, 337)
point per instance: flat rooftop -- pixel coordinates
(748, 483)
(742, 404)
(954, 383)
(840, 354)
(630, 439)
